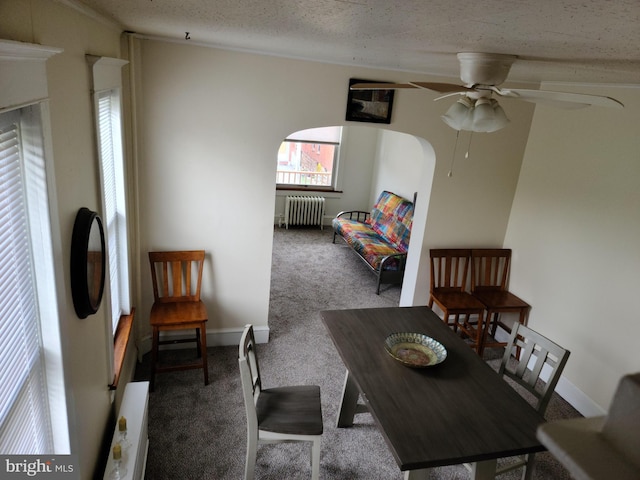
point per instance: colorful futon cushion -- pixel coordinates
(391, 218)
(385, 232)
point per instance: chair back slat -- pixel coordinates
(542, 358)
(164, 279)
(177, 275)
(449, 269)
(247, 352)
(249, 377)
(526, 352)
(490, 268)
(538, 349)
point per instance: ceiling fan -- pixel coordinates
(481, 74)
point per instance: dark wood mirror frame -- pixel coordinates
(87, 263)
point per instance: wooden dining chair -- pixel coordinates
(276, 415)
(489, 277)
(449, 277)
(524, 371)
(177, 282)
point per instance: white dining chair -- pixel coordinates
(526, 354)
(277, 415)
(535, 353)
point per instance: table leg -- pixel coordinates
(422, 474)
(485, 470)
(349, 403)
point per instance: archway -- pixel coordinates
(373, 159)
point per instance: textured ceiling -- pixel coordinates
(585, 41)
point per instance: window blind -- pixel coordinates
(24, 417)
(114, 215)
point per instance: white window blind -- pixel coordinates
(110, 137)
(24, 410)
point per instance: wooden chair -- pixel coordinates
(276, 415)
(539, 351)
(489, 276)
(177, 280)
(449, 275)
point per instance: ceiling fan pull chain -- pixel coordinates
(466, 155)
(453, 158)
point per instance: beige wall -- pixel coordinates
(397, 154)
(77, 185)
(212, 122)
(472, 207)
(575, 232)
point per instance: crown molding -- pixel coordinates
(20, 51)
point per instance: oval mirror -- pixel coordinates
(87, 263)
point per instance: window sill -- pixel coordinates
(281, 193)
(304, 188)
(120, 343)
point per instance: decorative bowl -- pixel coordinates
(415, 349)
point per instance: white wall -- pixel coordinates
(575, 233)
(357, 169)
(212, 122)
(399, 165)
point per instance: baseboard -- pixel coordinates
(215, 338)
(278, 221)
(578, 399)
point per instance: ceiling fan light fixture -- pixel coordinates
(500, 118)
(459, 114)
(482, 115)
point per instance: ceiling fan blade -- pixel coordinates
(443, 87)
(560, 99)
(381, 86)
(449, 95)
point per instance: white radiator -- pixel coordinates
(134, 409)
(303, 210)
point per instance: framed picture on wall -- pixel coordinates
(372, 106)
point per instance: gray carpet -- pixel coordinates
(198, 432)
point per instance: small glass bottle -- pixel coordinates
(119, 470)
(122, 434)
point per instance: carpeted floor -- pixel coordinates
(198, 432)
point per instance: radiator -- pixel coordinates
(134, 448)
(303, 210)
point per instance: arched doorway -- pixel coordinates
(373, 159)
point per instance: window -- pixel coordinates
(26, 265)
(33, 403)
(107, 80)
(115, 214)
(309, 158)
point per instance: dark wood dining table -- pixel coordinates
(458, 411)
